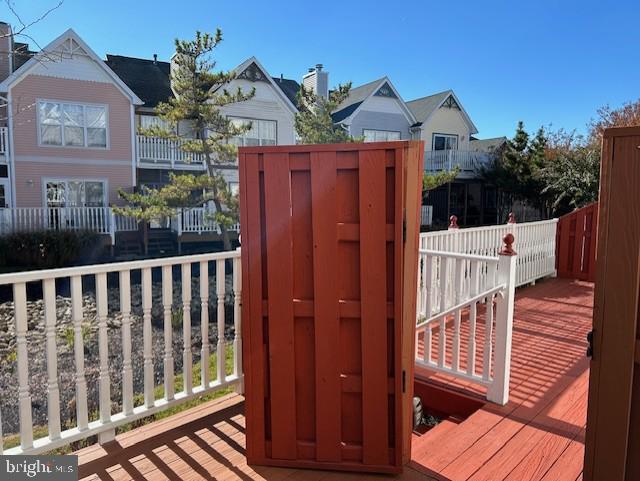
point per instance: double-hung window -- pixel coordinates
(262, 132)
(445, 142)
(72, 125)
(371, 135)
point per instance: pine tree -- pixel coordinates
(313, 122)
(200, 92)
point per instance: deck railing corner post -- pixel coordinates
(498, 391)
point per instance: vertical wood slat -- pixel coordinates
(78, 350)
(373, 295)
(204, 324)
(24, 398)
(237, 317)
(252, 310)
(187, 359)
(167, 302)
(104, 381)
(281, 330)
(147, 287)
(326, 316)
(221, 355)
(53, 390)
(127, 370)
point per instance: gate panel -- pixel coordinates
(323, 260)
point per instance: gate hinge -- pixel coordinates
(590, 344)
(404, 381)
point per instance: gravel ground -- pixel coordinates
(66, 364)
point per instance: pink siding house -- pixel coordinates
(70, 129)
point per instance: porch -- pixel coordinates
(468, 161)
(538, 435)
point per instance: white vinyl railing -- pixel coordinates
(122, 280)
(102, 220)
(4, 143)
(158, 150)
(457, 295)
(466, 160)
(535, 243)
(197, 220)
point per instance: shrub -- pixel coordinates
(48, 249)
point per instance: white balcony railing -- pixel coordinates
(102, 220)
(4, 144)
(197, 220)
(147, 300)
(157, 151)
(468, 161)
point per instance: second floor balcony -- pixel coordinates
(469, 162)
(158, 152)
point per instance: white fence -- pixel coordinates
(535, 243)
(125, 278)
(466, 160)
(426, 215)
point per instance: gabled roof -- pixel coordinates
(149, 79)
(71, 35)
(487, 145)
(358, 95)
(289, 87)
(424, 107)
(267, 78)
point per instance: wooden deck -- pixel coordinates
(539, 435)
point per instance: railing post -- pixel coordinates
(498, 391)
(112, 226)
(454, 228)
(179, 221)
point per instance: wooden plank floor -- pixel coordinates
(539, 435)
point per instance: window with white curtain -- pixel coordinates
(75, 193)
(148, 121)
(262, 132)
(72, 125)
(371, 135)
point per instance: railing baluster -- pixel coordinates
(127, 372)
(220, 292)
(187, 361)
(237, 318)
(471, 347)
(147, 287)
(102, 308)
(427, 343)
(204, 324)
(488, 341)
(82, 413)
(53, 390)
(24, 398)
(457, 287)
(167, 301)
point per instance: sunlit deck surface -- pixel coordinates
(539, 435)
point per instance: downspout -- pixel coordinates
(12, 165)
(134, 148)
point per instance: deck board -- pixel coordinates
(538, 435)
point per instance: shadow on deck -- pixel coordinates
(538, 435)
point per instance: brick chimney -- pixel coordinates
(317, 80)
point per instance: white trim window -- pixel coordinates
(262, 132)
(75, 193)
(371, 135)
(72, 125)
(445, 142)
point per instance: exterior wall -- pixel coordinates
(446, 121)
(33, 161)
(266, 104)
(30, 177)
(380, 113)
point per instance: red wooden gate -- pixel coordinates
(323, 286)
(576, 243)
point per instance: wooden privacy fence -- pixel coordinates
(329, 264)
(576, 244)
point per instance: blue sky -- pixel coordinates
(543, 62)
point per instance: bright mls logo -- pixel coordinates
(50, 468)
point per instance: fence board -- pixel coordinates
(576, 243)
